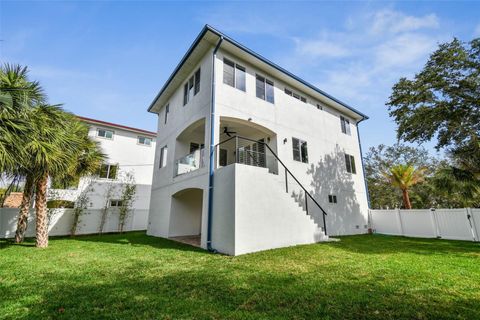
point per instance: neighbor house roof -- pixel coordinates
(13, 200)
(119, 126)
(207, 38)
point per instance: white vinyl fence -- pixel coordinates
(61, 220)
(454, 224)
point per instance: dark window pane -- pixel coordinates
(296, 149)
(303, 99)
(304, 152)
(223, 157)
(112, 173)
(288, 92)
(330, 198)
(347, 162)
(228, 72)
(352, 160)
(197, 81)
(167, 110)
(269, 91)
(194, 146)
(240, 78)
(334, 199)
(103, 171)
(185, 94)
(260, 85)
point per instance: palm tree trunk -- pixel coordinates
(41, 211)
(406, 199)
(24, 209)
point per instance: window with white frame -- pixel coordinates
(108, 171)
(197, 82)
(350, 163)
(264, 89)
(191, 87)
(300, 152)
(144, 141)
(163, 157)
(104, 133)
(332, 198)
(295, 95)
(116, 203)
(345, 124)
(167, 111)
(234, 74)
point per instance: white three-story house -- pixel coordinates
(250, 157)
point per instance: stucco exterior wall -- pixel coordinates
(123, 149)
(246, 194)
(288, 117)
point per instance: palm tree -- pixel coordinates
(17, 95)
(404, 176)
(39, 142)
(61, 148)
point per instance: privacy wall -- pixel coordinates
(61, 221)
(454, 224)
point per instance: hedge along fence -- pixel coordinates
(454, 224)
(61, 220)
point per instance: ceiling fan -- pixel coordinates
(228, 133)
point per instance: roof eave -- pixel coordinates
(207, 28)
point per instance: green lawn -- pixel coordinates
(133, 276)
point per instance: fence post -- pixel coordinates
(471, 222)
(436, 228)
(399, 218)
(370, 223)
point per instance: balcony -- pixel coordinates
(191, 162)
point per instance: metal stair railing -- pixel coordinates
(251, 153)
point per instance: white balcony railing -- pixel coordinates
(190, 162)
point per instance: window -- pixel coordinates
(345, 125)
(332, 198)
(197, 81)
(350, 162)
(195, 146)
(185, 94)
(116, 203)
(234, 75)
(167, 110)
(300, 152)
(264, 89)
(108, 171)
(163, 157)
(103, 133)
(222, 161)
(319, 106)
(191, 87)
(144, 141)
(295, 95)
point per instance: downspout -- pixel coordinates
(363, 166)
(212, 151)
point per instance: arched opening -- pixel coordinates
(245, 142)
(186, 216)
(190, 148)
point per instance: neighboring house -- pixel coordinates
(128, 150)
(239, 140)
